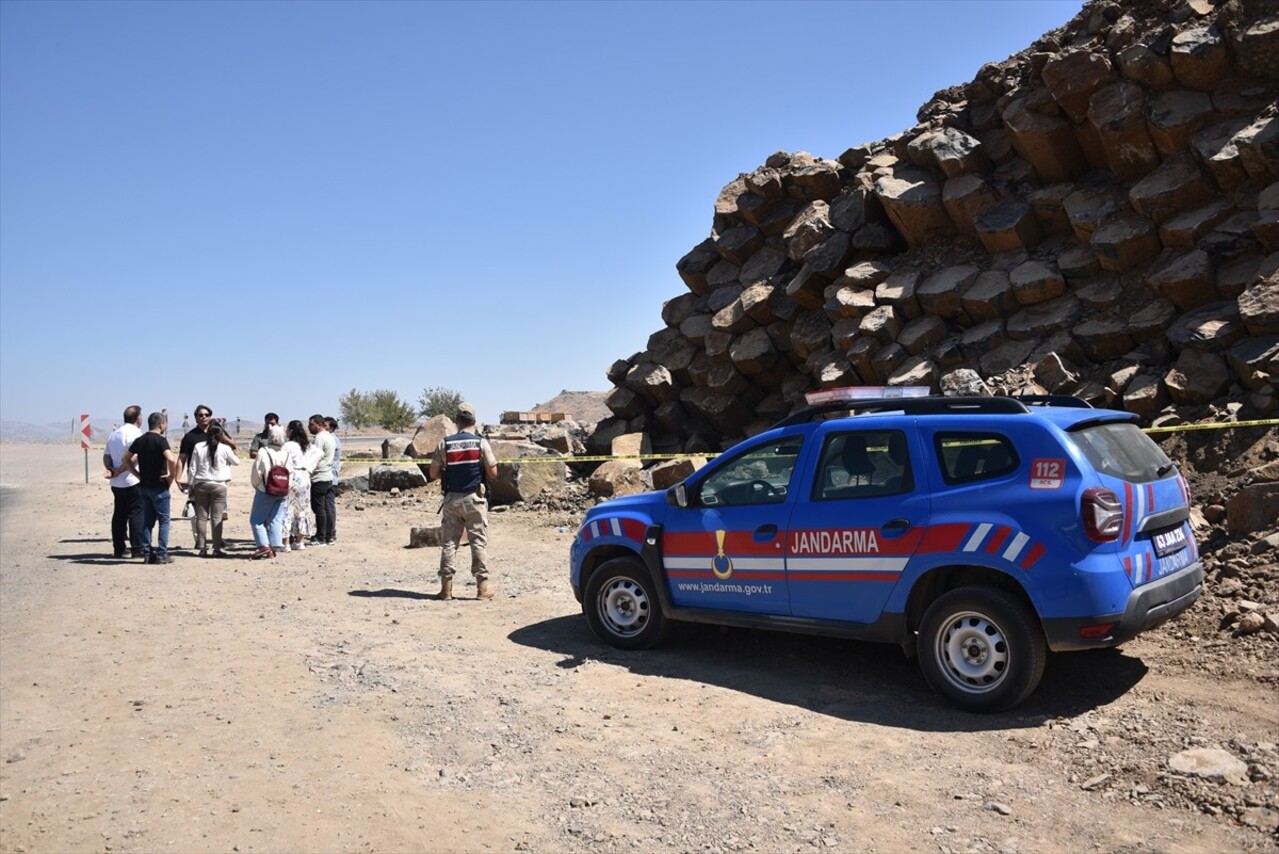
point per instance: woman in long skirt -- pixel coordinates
(297, 521)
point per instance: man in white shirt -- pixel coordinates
(126, 520)
(322, 482)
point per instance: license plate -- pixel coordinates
(1173, 562)
(1172, 540)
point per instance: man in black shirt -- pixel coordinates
(151, 459)
(203, 418)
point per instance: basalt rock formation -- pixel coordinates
(1096, 215)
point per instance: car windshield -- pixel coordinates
(1123, 451)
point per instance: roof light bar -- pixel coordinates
(864, 392)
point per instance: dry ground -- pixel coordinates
(324, 702)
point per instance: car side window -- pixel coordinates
(972, 457)
(760, 476)
(863, 464)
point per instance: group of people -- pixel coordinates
(293, 470)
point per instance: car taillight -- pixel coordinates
(1103, 514)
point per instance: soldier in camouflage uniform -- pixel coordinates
(465, 460)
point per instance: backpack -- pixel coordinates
(277, 479)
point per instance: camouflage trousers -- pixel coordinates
(464, 512)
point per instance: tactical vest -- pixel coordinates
(462, 463)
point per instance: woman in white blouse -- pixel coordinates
(208, 473)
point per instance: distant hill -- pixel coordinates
(584, 407)
(62, 432)
(21, 431)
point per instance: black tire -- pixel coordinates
(621, 605)
(981, 648)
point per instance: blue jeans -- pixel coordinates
(155, 506)
(267, 518)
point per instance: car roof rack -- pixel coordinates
(931, 405)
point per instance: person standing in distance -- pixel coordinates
(302, 457)
(199, 433)
(126, 518)
(332, 424)
(259, 439)
(465, 460)
(267, 515)
(208, 473)
(152, 460)
(322, 481)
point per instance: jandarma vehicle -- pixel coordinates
(975, 532)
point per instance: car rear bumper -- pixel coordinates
(1148, 606)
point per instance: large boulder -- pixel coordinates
(1072, 77)
(671, 472)
(1197, 377)
(1254, 509)
(1259, 306)
(1118, 113)
(1199, 57)
(1177, 185)
(386, 478)
(539, 469)
(428, 436)
(616, 478)
(1048, 143)
(912, 200)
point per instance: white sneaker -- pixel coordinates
(301, 546)
(287, 548)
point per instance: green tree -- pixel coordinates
(439, 401)
(391, 412)
(357, 409)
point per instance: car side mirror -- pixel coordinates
(677, 496)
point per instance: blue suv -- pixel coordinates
(975, 532)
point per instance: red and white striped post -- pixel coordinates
(86, 433)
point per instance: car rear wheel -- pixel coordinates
(981, 647)
(621, 607)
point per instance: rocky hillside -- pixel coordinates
(1098, 215)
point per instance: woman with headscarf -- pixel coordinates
(267, 514)
(208, 473)
(297, 524)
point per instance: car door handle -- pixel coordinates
(764, 533)
(896, 527)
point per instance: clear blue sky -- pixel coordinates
(263, 205)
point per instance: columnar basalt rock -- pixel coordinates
(1099, 213)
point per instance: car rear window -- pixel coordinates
(1123, 451)
(970, 457)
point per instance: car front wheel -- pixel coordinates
(981, 647)
(621, 605)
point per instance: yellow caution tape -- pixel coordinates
(521, 460)
(1227, 425)
(1180, 428)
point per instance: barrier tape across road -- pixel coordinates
(1183, 428)
(1180, 428)
(604, 458)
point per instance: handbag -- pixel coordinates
(188, 512)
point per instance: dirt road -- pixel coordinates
(324, 701)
